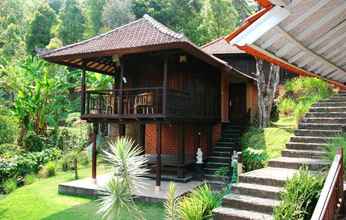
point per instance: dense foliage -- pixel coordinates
(196, 205)
(333, 145)
(300, 94)
(300, 196)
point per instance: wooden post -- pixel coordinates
(158, 155)
(141, 136)
(181, 151)
(82, 94)
(93, 163)
(121, 87)
(164, 86)
(122, 130)
(114, 87)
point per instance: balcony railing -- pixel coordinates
(137, 102)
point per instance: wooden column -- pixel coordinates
(141, 136)
(114, 87)
(93, 163)
(121, 87)
(181, 151)
(122, 130)
(82, 93)
(164, 86)
(158, 154)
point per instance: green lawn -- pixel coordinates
(41, 200)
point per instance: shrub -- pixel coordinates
(9, 185)
(199, 204)
(72, 118)
(9, 150)
(300, 196)
(29, 179)
(286, 106)
(254, 149)
(254, 159)
(33, 142)
(51, 168)
(333, 145)
(48, 170)
(8, 129)
(300, 94)
(24, 164)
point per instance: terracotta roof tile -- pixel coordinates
(220, 46)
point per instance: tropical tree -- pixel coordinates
(128, 168)
(117, 13)
(219, 18)
(39, 33)
(180, 15)
(94, 16)
(72, 24)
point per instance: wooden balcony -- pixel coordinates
(136, 103)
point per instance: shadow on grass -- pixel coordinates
(88, 211)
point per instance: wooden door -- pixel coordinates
(237, 102)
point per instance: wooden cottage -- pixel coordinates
(168, 94)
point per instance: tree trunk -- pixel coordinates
(266, 89)
(75, 161)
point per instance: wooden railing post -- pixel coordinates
(82, 94)
(331, 197)
(164, 86)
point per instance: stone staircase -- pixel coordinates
(221, 153)
(257, 192)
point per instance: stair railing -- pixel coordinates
(331, 198)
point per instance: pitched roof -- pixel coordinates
(143, 35)
(305, 37)
(220, 46)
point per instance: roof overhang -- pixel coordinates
(305, 37)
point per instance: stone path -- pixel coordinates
(257, 192)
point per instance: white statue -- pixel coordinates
(199, 156)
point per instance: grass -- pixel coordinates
(41, 200)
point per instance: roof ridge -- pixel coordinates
(162, 28)
(92, 38)
(212, 42)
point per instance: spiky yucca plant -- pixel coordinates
(171, 205)
(129, 166)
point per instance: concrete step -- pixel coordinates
(306, 146)
(221, 154)
(224, 149)
(341, 121)
(340, 103)
(317, 133)
(223, 213)
(210, 170)
(333, 100)
(327, 109)
(213, 177)
(310, 139)
(326, 114)
(219, 159)
(319, 126)
(249, 203)
(271, 176)
(313, 154)
(296, 163)
(256, 190)
(225, 143)
(211, 164)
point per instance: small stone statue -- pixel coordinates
(199, 156)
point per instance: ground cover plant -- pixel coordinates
(260, 145)
(300, 94)
(333, 145)
(300, 196)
